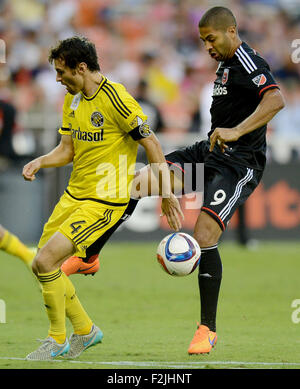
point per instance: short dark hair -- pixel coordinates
(75, 50)
(219, 18)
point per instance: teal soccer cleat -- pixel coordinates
(79, 343)
(49, 350)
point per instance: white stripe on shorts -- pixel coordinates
(238, 189)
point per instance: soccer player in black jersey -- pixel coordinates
(245, 98)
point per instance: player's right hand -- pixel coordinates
(171, 209)
(30, 169)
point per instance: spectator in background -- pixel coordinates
(14, 144)
(27, 27)
(7, 123)
(150, 109)
(8, 241)
(286, 126)
(155, 119)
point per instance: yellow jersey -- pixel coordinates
(104, 128)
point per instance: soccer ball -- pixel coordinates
(178, 254)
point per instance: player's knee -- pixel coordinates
(34, 267)
(207, 232)
(42, 262)
(206, 238)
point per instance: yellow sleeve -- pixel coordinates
(66, 128)
(127, 112)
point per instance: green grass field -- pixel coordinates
(149, 318)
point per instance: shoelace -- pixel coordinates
(74, 336)
(45, 342)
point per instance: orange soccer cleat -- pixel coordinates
(203, 341)
(76, 265)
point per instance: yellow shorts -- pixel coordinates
(83, 222)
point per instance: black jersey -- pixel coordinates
(240, 85)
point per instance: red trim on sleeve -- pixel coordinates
(175, 164)
(267, 87)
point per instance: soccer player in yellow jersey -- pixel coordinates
(101, 129)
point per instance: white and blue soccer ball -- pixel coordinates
(178, 254)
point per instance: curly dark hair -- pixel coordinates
(75, 50)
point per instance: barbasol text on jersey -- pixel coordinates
(89, 136)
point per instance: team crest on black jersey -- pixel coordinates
(259, 80)
(225, 76)
(97, 119)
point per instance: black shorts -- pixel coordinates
(226, 185)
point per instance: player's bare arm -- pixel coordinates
(170, 205)
(271, 103)
(61, 155)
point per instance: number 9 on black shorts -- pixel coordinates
(226, 185)
(225, 192)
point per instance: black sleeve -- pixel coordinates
(258, 80)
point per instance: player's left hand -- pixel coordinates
(171, 209)
(31, 168)
(221, 136)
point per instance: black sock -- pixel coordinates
(209, 280)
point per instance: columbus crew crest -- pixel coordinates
(225, 76)
(97, 119)
(144, 130)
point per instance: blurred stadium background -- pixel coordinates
(153, 47)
